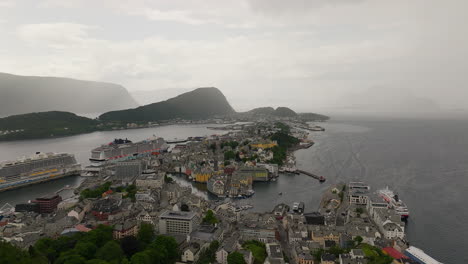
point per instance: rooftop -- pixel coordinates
(178, 215)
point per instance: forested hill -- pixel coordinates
(26, 94)
(44, 125)
(200, 103)
(285, 112)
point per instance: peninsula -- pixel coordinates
(202, 105)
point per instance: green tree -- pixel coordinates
(99, 236)
(236, 258)
(258, 250)
(146, 233)
(96, 261)
(85, 249)
(110, 251)
(358, 240)
(171, 246)
(10, 254)
(209, 255)
(141, 258)
(229, 155)
(210, 218)
(45, 246)
(130, 245)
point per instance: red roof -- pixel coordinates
(394, 253)
(82, 228)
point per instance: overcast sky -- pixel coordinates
(307, 54)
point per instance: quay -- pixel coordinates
(320, 178)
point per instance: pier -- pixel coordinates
(319, 178)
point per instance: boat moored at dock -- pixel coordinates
(40, 167)
(124, 149)
(394, 202)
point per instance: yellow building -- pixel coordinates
(321, 236)
(264, 145)
(202, 176)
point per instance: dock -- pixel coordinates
(319, 178)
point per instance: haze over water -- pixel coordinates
(424, 161)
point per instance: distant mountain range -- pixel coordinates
(25, 94)
(200, 103)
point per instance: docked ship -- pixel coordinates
(124, 149)
(40, 167)
(394, 202)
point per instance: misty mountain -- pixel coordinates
(267, 111)
(151, 96)
(198, 104)
(284, 112)
(25, 94)
(270, 111)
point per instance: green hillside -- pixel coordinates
(44, 125)
(198, 104)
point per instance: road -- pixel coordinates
(284, 242)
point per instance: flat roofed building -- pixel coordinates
(177, 222)
(48, 204)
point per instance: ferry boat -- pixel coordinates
(124, 149)
(40, 167)
(394, 202)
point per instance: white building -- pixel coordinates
(177, 222)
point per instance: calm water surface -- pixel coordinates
(425, 161)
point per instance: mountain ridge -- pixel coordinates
(200, 103)
(25, 94)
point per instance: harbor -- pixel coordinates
(333, 145)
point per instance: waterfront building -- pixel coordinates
(202, 175)
(389, 223)
(272, 168)
(217, 185)
(176, 222)
(48, 204)
(256, 173)
(358, 196)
